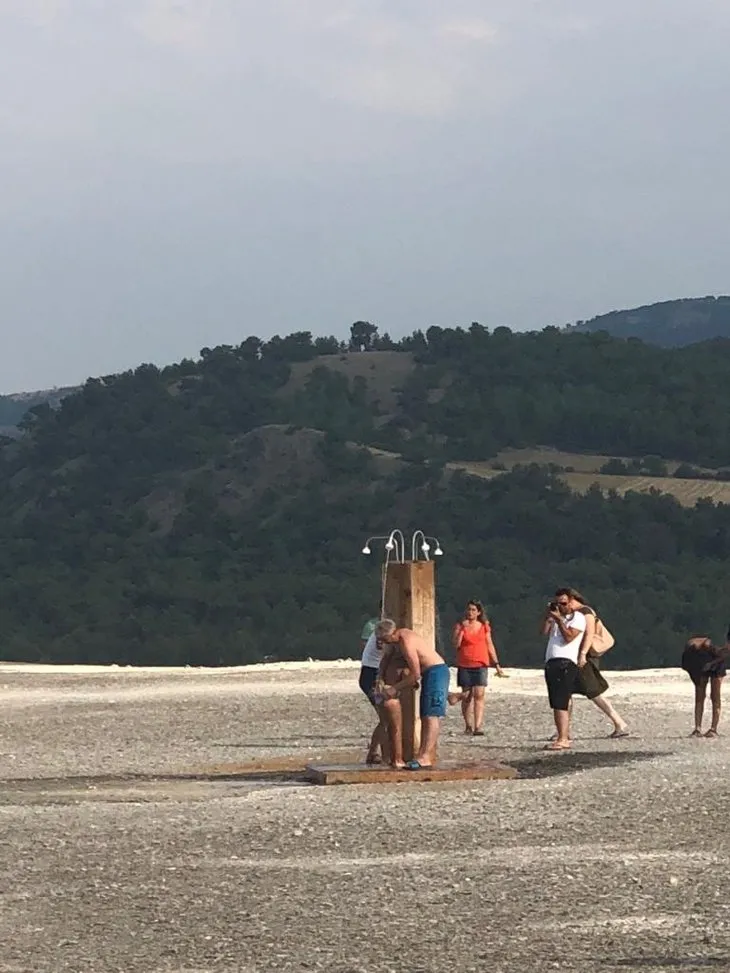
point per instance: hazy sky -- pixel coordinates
(182, 173)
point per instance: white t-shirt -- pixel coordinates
(371, 654)
(557, 648)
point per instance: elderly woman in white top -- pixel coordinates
(369, 667)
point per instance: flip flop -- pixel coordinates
(711, 734)
(696, 733)
(619, 734)
(478, 733)
(555, 746)
(416, 765)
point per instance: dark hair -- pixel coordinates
(571, 593)
(479, 607)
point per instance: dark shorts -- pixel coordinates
(434, 690)
(368, 678)
(469, 678)
(700, 665)
(562, 678)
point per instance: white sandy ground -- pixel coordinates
(301, 676)
(121, 851)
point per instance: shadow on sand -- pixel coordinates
(570, 762)
(273, 771)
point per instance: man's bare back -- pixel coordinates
(417, 653)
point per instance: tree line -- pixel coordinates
(144, 520)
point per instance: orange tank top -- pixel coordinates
(475, 649)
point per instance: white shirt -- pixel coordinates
(557, 647)
(371, 654)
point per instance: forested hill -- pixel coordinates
(212, 511)
(671, 324)
(14, 407)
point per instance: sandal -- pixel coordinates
(696, 733)
(619, 734)
(555, 745)
(417, 765)
(711, 734)
(478, 733)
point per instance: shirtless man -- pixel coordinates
(410, 651)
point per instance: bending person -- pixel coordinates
(424, 664)
(706, 664)
(369, 668)
(475, 653)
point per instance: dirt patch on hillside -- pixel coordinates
(385, 372)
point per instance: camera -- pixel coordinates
(552, 606)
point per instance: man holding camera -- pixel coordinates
(565, 629)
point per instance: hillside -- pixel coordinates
(14, 406)
(670, 324)
(212, 512)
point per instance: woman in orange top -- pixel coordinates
(475, 653)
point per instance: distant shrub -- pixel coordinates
(654, 466)
(685, 471)
(615, 467)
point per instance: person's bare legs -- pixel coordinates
(478, 694)
(555, 736)
(620, 727)
(373, 754)
(394, 725)
(700, 693)
(562, 725)
(466, 710)
(382, 730)
(430, 729)
(716, 699)
(379, 748)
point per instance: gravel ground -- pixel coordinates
(127, 847)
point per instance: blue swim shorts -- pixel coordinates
(434, 690)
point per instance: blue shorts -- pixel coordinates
(434, 690)
(471, 677)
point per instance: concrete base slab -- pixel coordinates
(379, 774)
